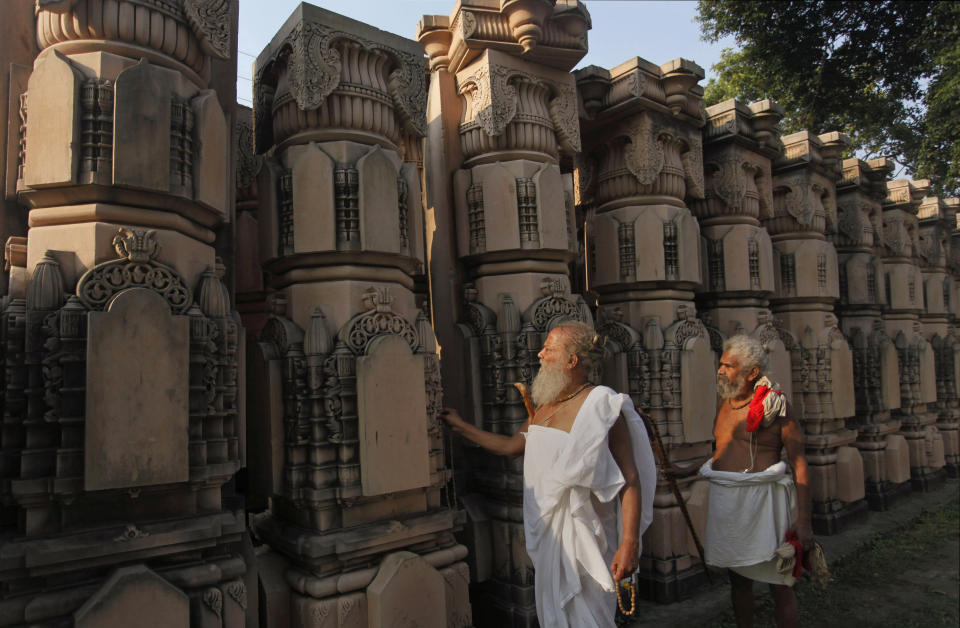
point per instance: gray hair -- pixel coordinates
(750, 352)
(582, 340)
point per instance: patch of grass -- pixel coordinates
(908, 577)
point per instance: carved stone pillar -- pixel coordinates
(123, 358)
(17, 52)
(250, 286)
(905, 302)
(502, 118)
(739, 143)
(807, 287)
(937, 220)
(642, 157)
(858, 238)
(349, 446)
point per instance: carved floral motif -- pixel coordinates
(643, 154)
(137, 268)
(314, 68)
(379, 319)
(210, 21)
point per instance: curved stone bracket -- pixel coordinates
(210, 22)
(495, 101)
(566, 118)
(313, 70)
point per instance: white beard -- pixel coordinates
(548, 384)
(729, 390)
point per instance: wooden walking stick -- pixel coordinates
(527, 401)
(654, 432)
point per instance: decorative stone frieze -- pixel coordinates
(513, 110)
(326, 77)
(551, 34)
(642, 158)
(807, 287)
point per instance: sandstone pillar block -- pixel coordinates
(350, 448)
(642, 160)
(858, 238)
(905, 302)
(807, 287)
(123, 406)
(503, 129)
(937, 218)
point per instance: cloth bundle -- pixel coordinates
(814, 560)
(767, 405)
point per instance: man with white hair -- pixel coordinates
(752, 495)
(583, 446)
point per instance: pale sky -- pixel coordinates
(657, 30)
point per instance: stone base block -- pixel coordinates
(491, 609)
(927, 480)
(883, 495)
(834, 522)
(673, 587)
(952, 470)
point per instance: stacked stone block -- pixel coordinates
(806, 268)
(642, 161)
(502, 119)
(123, 409)
(349, 449)
(904, 287)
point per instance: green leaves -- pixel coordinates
(886, 72)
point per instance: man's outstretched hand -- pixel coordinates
(453, 419)
(625, 561)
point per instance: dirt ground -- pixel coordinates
(907, 577)
(899, 567)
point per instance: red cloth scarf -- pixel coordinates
(755, 413)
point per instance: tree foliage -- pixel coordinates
(885, 72)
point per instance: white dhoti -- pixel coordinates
(570, 485)
(748, 519)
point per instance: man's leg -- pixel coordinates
(785, 603)
(741, 593)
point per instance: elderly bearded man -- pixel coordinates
(584, 446)
(751, 493)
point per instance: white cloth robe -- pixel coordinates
(748, 518)
(570, 510)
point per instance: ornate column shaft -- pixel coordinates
(502, 119)
(350, 450)
(858, 238)
(905, 302)
(123, 356)
(937, 219)
(642, 158)
(739, 143)
(807, 287)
